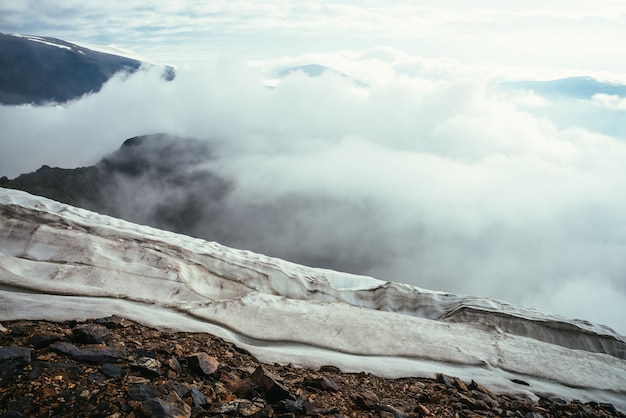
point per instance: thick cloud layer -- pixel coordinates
(441, 182)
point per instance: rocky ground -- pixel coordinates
(112, 367)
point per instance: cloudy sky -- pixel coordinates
(554, 33)
(432, 175)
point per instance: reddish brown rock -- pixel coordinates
(270, 386)
(422, 411)
(174, 364)
(203, 363)
(59, 384)
(366, 400)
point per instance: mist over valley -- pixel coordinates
(447, 183)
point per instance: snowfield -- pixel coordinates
(58, 263)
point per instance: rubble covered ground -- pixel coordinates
(112, 367)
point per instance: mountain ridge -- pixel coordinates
(157, 159)
(39, 70)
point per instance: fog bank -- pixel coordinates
(437, 181)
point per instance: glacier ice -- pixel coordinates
(58, 262)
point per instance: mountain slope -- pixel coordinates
(59, 262)
(38, 70)
(151, 179)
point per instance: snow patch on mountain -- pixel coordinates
(42, 41)
(59, 262)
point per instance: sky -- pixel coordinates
(553, 33)
(431, 176)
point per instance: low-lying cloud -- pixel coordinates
(440, 183)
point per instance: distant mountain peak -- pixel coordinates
(41, 69)
(577, 87)
(312, 70)
(317, 70)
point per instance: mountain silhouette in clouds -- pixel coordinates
(149, 179)
(570, 88)
(39, 70)
(317, 70)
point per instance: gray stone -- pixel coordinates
(238, 407)
(112, 370)
(91, 334)
(114, 321)
(289, 405)
(147, 366)
(166, 407)
(393, 412)
(174, 364)
(608, 407)
(15, 353)
(198, 397)
(446, 380)
(44, 340)
(91, 354)
(142, 392)
(96, 378)
(322, 383)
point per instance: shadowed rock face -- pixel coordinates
(41, 69)
(79, 186)
(154, 179)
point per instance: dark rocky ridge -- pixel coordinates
(59, 370)
(152, 179)
(37, 71)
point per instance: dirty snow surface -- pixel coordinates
(58, 262)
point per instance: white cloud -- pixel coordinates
(610, 101)
(555, 34)
(594, 298)
(529, 99)
(433, 181)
